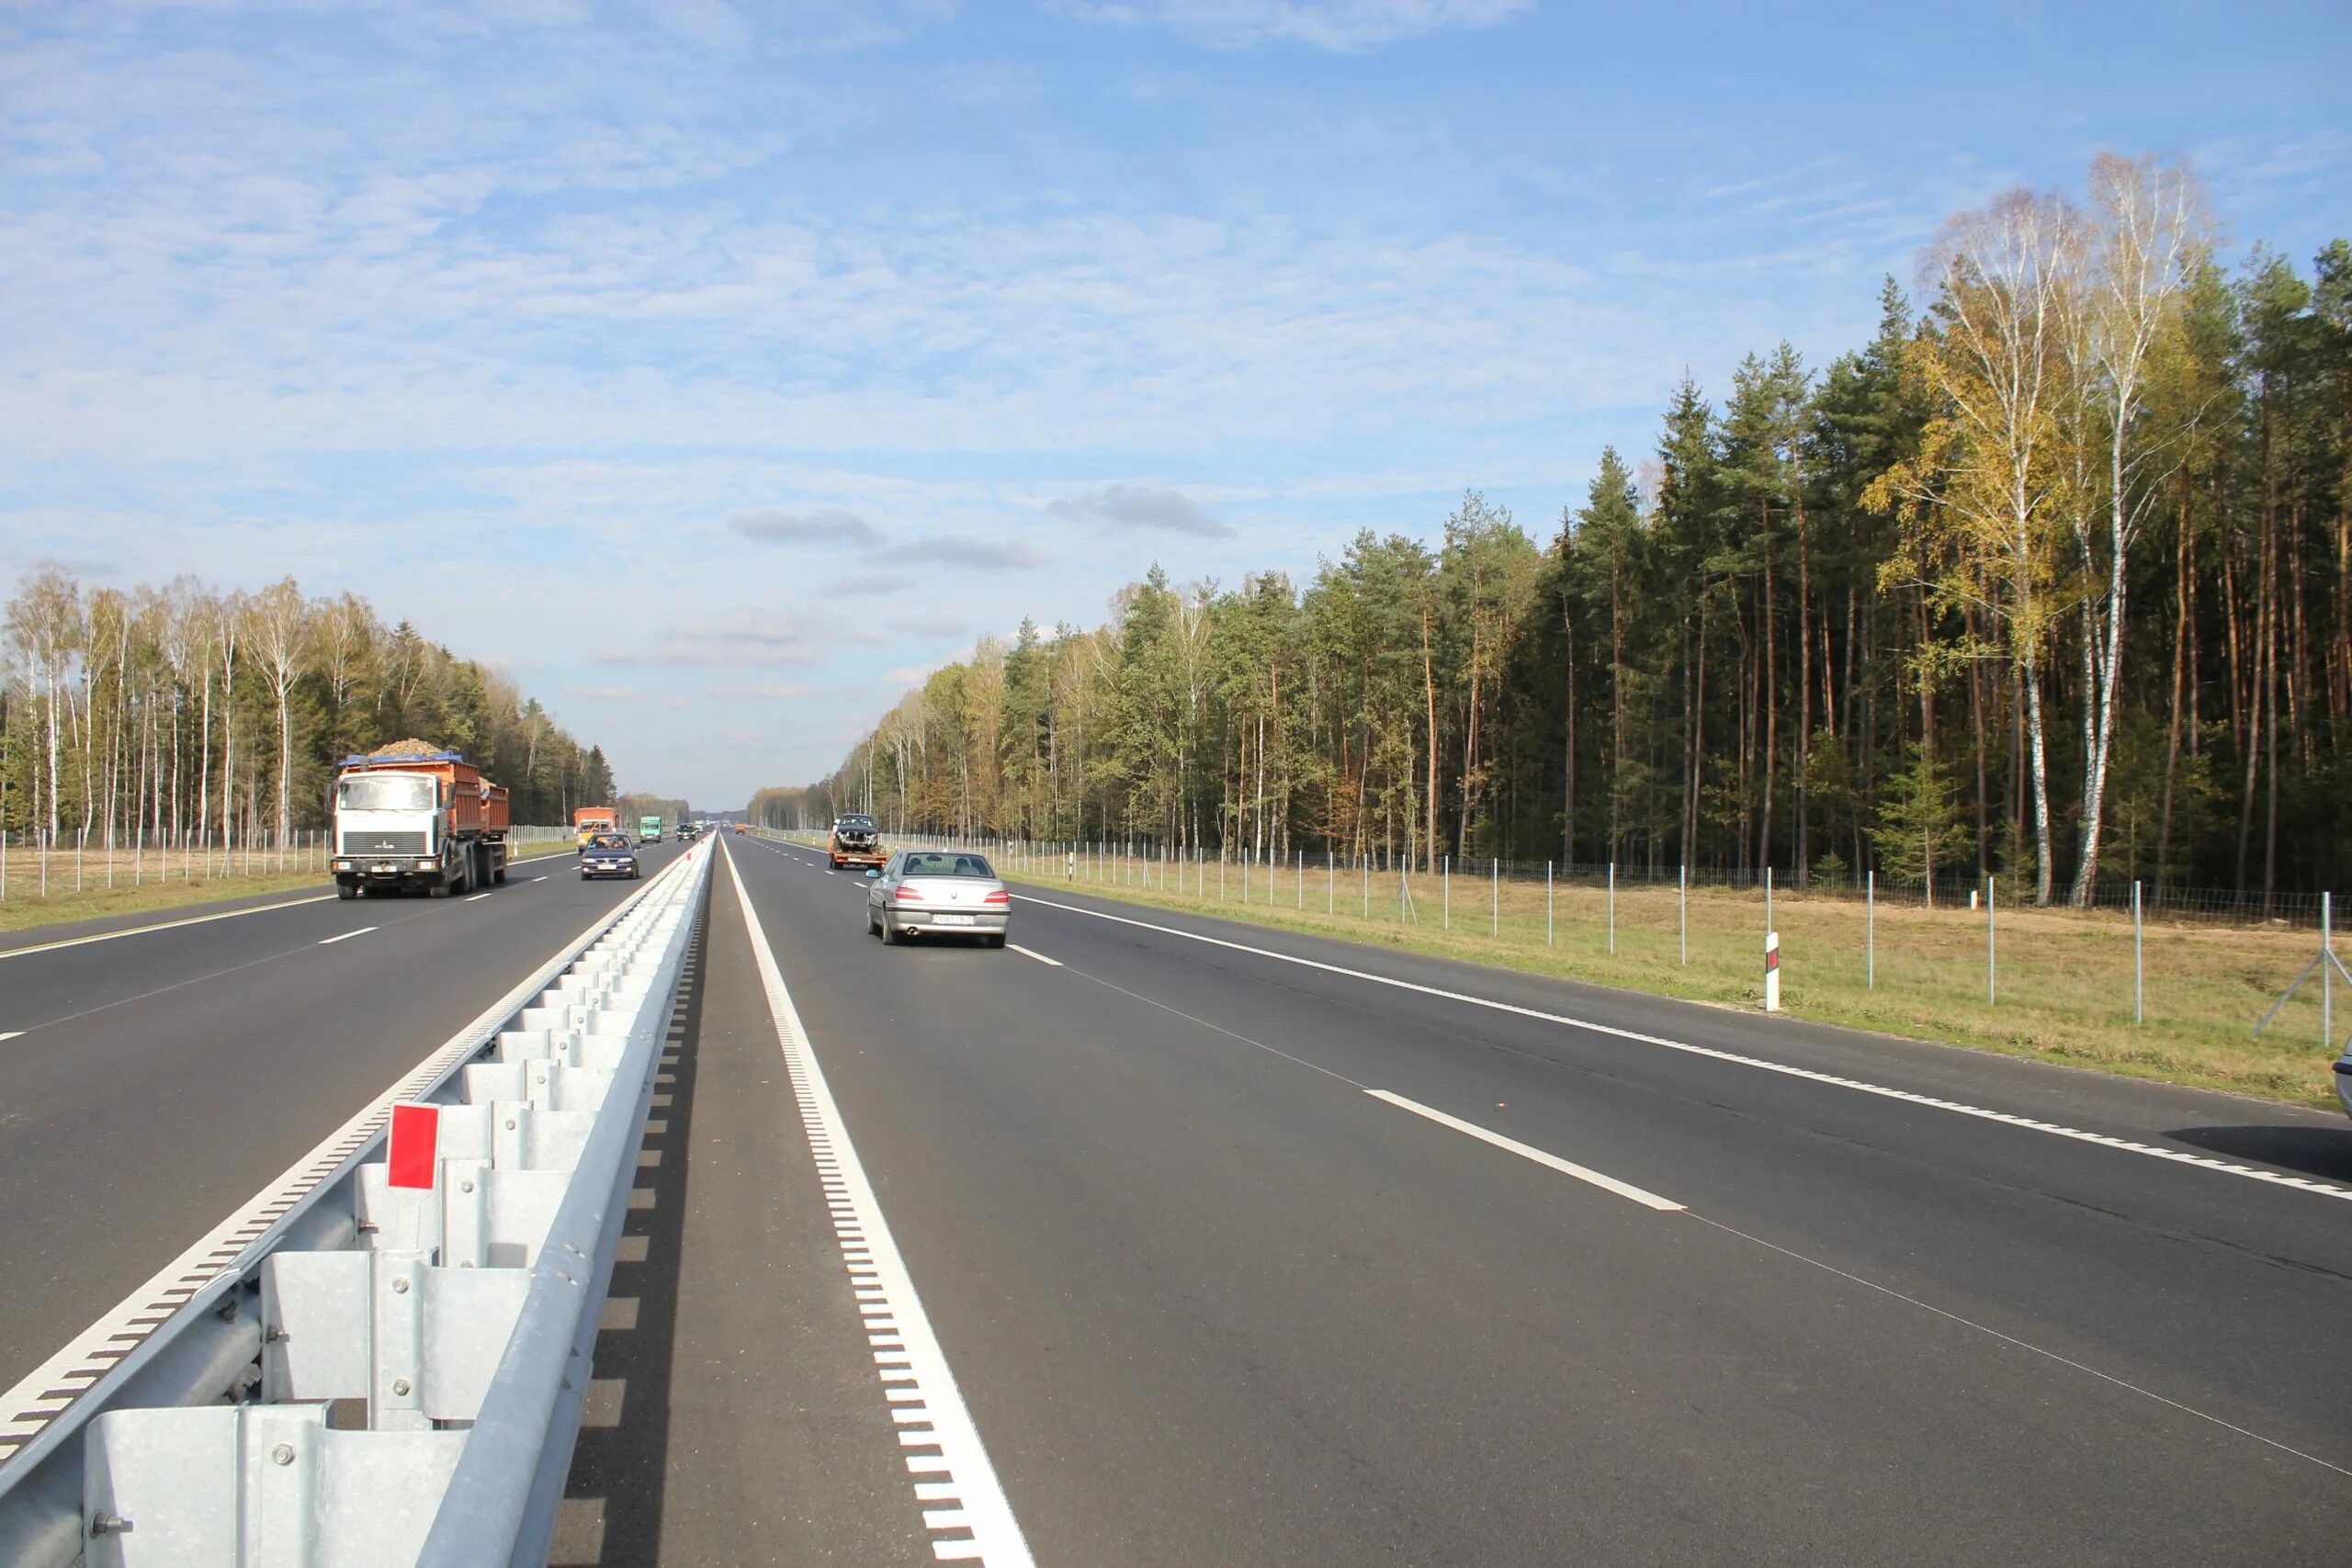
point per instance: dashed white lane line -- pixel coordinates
(9, 1033)
(972, 1521)
(1040, 957)
(330, 941)
(1567, 1167)
(477, 898)
(165, 926)
(1859, 1086)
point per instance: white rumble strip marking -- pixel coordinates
(1859, 1086)
(942, 1446)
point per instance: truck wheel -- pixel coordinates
(345, 891)
(439, 889)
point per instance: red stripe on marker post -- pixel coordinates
(411, 1150)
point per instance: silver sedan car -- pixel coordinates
(939, 893)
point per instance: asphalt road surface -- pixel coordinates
(1238, 1246)
(152, 1082)
(1241, 1259)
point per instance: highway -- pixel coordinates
(1230, 1266)
(1161, 1239)
(154, 1080)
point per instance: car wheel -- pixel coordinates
(891, 935)
(992, 941)
(583, 876)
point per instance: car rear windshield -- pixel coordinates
(855, 823)
(608, 842)
(938, 863)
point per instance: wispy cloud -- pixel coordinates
(1140, 507)
(829, 527)
(745, 640)
(1348, 26)
(979, 555)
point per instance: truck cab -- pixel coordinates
(649, 829)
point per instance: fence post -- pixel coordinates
(1683, 898)
(2139, 959)
(1331, 880)
(1991, 967)
(1768, 897)
(1364, 860)
(1495, 897)
(1612, 906)
(1445, 892)
(2326, 969)
(1870, 929)
(1547, 903)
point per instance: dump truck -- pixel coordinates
(412, 814)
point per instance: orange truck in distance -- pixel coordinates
(411, 815)
(590, 820)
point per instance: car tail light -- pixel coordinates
(907, 892)
(998, 897)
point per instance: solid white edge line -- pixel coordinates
(914, 1358)
(250, 1226)
(1859, 1086)
(165, 926)
(1040, 957)
(331, 941)
(1565, 1167)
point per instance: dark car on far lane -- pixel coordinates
(608, 854)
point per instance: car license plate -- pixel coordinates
(950, 919)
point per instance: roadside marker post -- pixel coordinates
(1771, 970)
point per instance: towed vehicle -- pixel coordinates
(608, 854)
(856, 840)
(937, 893)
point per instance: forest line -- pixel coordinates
(186, 714)
(2050, 583)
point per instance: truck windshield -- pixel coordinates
(385, 792)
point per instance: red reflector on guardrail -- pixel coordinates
(410, 1152)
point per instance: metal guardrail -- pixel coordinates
(392, 1371)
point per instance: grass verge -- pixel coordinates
(137, 889)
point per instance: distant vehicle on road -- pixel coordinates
(855, 841)
(609, 854)
(937, 893)
(590, 820)
(739, 827)
(411, 815)
(649, 829)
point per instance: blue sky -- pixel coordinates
(836, 334)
